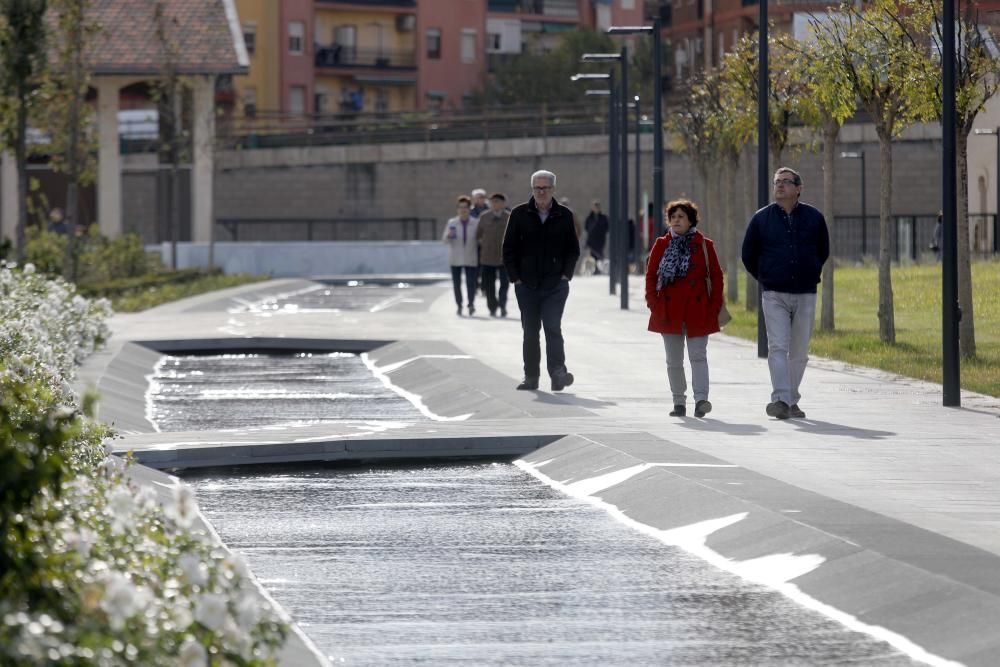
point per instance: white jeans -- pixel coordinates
(789, 320)
(698, 356)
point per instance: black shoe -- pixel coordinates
(702, 408)
(472, 311)
(503, 312)
(528, 384)
(561, 380)
(493, 313)
(795, 412)
(678, 411)
(459, 311)
(778, 409)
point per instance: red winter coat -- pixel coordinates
(685, 301)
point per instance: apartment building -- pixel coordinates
(343, 56)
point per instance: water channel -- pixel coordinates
(482, 564)
(475, 564)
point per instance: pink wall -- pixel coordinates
(296, 70)
(449, 74)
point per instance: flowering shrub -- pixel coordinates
(93, 568)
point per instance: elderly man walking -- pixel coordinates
(785, 246)
(540, 250)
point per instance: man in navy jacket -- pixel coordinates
(785, 246)
(540, 250)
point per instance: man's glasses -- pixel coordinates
(541, 188)
(784, 181)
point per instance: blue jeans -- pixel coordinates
(789, 320)
(471, 273)
(542, 309)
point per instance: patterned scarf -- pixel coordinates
(676, 259)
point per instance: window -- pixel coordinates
(434, 43)
(296, 37)
(297, 100)
(345, 36)
(628, 4)
(468, 45)
(250, 101)
(493, 42)
(250, 37)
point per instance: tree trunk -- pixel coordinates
(967, 323)
(886, 311)
(731, 254)
(175, 178)
(830, 131)
(21, 160)
(750, 207)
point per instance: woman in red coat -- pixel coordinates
(679, 302)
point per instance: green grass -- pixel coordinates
(918, 349)
(147, 297)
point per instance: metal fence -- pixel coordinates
(326, 229)
(911, 237)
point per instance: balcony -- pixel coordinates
(337, 55)
(371, 3)
(559, 8)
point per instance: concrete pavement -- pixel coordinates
(895, 495)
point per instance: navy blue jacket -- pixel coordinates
(540, 255)
(785, 252)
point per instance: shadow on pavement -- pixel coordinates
(710, 425)
(572, 399)
(827, 428)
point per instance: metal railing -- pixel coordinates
(327, 229)
(274, 130)
(337, 55)
(911, 237)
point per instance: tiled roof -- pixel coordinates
(199, 31)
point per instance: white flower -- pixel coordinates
(237, 638)
(82, 541)
(121, 599)
(146, 498)
(238, 564)
(193, 654)
(121, 503)
(195, 571)
(210, 610)
(248, 609)
(184, 510)
(28, 269)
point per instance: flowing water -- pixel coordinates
(229, 391)
(484, 565)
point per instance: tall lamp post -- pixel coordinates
(860, 155)
(613, 143)
(950, 313)
(996, 179)
(656, 31)
(638, 166)
(763, 172)
(622, 231)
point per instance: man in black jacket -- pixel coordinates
(785, 246)
(540, 250)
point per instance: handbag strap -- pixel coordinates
(708, 273)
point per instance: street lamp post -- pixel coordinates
(763, 173)
(638, 166)
(656, 31)
(950, 313)
(621, 234)
(860, 155)
(612, 162)
(996, 180)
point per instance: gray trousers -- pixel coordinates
(697, 355)
(789, 320)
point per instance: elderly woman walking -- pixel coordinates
(684, 295)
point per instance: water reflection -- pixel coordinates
(483, 565)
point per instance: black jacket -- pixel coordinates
(540, 255)
(786, 252)
(597, 231)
